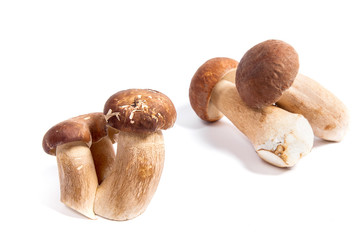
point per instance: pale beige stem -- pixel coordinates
(327, 115)
(230, 75)
(78, 181)
(279, 137)
(127, 192)
(104, 156)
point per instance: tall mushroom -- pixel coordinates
(279, 137)
(139, 115)
(70, 141)
(268, 74)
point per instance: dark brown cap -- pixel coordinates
(202, 83)
(265, 72)
(87, 128)
(140, 110)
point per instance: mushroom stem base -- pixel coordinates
(78, 180)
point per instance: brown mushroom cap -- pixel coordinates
(202, 83)
(87, 128)
(140, 110)
(265, 72)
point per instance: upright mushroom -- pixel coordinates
(139, 115)
(279, 137)
(268, 74)
(70, 141)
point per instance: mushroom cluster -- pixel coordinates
(264, 96)
(94, 180)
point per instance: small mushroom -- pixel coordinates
(268, 74)
(279, 137)
(139, 115)
(77, 144)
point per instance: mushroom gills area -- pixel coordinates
(78, 180)
(128, 190)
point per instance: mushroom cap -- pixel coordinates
(140, 110)
(87, 128)
(265, 72)
(202, 84)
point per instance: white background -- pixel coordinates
(60, 59)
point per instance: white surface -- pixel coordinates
(60, 59)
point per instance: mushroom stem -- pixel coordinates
(78, 181)
(128, 190)
(279, 137)
(327, 115)
(104, 156)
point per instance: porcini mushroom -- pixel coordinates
(70, 141)
(139, 115)
(268, 74)
(279, 137)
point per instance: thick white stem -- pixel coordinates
(78, 180)
(127, 192)
(279, 137)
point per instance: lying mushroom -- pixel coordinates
(139, 115)
(70, 141)
(268, 74)
(279, 137)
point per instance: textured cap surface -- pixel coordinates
(202, 83)
(265, 72)
(87, 128)
(140, 110)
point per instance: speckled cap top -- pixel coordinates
(140, 110)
